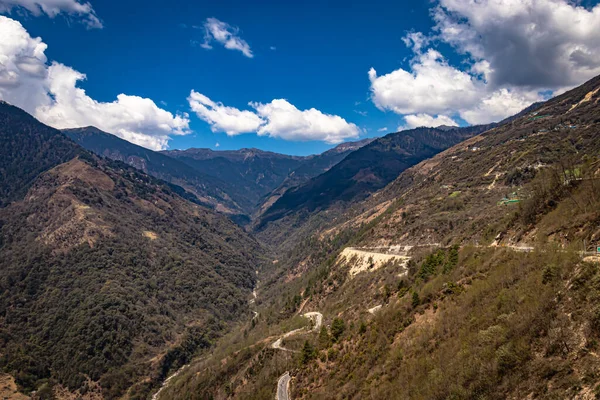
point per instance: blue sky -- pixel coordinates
(313, 55)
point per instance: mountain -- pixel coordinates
(311, 167)
(209, 190)
(472, 274)
(25, 156)
(235, 182)
(362, 172)
(251, 173)
(110, 278)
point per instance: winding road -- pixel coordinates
(283, 387)
(315, 317)
(283, 384)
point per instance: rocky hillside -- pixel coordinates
(110, 278)
(473, 191)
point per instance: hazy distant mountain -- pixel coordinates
(251, 173)
(254, 174)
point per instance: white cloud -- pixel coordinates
(50, 93)
(221, 118)
(433, 87)
(279, 118)
(285, 121)
(500, 104)
(527, 43)
(217, 144)
(382, 129)
(426, 120)
(225, 34)
(515, 52)
(416, 41)
(52, 8)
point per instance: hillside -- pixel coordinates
(472, 275)
(110, 279)
(25, 157)
(470, 192)
(251, 173)
(361, 173)
(209, 190)
(312, 167)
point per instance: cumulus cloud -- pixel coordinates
(432, 86)
(514, 52)
(279, 118)
(285, 121)
(527, 43)
(52, 8)
(225, 34)
(500, 104)
(50, 93)
(430, 121)
(222, 118)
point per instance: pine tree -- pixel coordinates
(308, 353)
(415, 300)
(337, 328)
(451, 260)
(324, 339)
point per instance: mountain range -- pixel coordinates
(451, 262)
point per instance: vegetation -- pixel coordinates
(26, 154)
(108, 275)
(509, 333)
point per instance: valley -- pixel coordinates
(400, 274)
(454, 262)
(374, 200)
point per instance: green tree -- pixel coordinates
(415, 300)
(430, 265)
(452, 259)
(324, 339)
(308, 353)
(337, 329)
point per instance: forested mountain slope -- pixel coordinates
(364, 171)
(252, 173)
(211, 191)
(110, 279)
(25, 156)
(311, 167)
